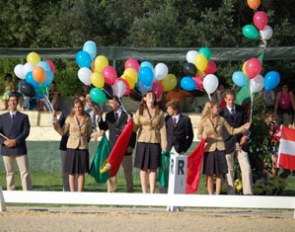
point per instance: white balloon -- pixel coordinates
(28, 67)
(84, 75)
(19, 71)
(119, 88)
(210, 83)
(161, 71)
(256, 84)
(191, 55)
(266, 33)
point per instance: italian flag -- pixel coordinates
(286, 158)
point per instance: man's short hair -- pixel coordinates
(116, 99)
(175, 105)
(229, 92)
(14, 94)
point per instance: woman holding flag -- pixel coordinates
(152, 139)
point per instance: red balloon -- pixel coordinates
(260, 19)
(211, 67)
(132, 63)
(51, 65)
(157, 88)
(110, 75)
(253, 67)
(199, 82)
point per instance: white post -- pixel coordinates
(177, 177)
(2, 201)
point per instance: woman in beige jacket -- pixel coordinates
(210, 128)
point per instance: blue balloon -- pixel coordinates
(30, 79)
(188, 84)
(48, 78)
(271, 80)
(145, 76)
(147, 64)
(143, 88)
(44, 65)
(239, 79)
(90, 48)
(83, 59)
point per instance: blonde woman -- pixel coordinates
(211, 128)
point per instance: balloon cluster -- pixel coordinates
(37, 75)
(260, 21)
(199, 71)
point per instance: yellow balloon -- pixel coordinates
(201, 62)
(99, 63)
(130, 75)
(34, 58)
(129, 81)
(169, 82)
(97, 80)
(244, 68)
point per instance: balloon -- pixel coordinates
(157, 88)
(210, 83)
(108, 91)
(147, 64)
(244, 68)
(239, 79)
(161, 71)
(90, 47)
(51, 65)
(30, 79)
(199, 82)
(48, 78)
(271, 80)
(266, 33)
(206, 52)
(188, 84)
(34, 58)
(201, 62)
(256, 84)
(84, 75)
(100, 62)
(260, 19)
(19, 71)
(169, 82)
(97, 80)
(143, 88)
(132, 63)
(191, 55)
(253, 67)
(145, 76)
(41, 91)
(253, 4)
(250, 32)
(135, 95)
(28, 67)
(44, 65)
(110, 75)
(83, 59)
(27, 89)
(189, 69)
(119, 88)
(211, 67)
(131, 76)
(39, 74)
(127, 87)
(97, 96)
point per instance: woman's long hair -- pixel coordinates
(143, 105)
(77, 101)
(206, 113)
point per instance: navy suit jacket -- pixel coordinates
(18, 129)
(181, 135)
(239, 119)
(115, 128)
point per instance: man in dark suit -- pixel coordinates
(236, 116)
(14, 129)
(114, 122)
(179, 128)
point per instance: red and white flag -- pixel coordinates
(286, 157)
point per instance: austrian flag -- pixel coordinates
(286, 157)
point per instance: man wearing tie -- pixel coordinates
(14, 129)
(236, 116)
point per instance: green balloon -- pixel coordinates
(98, 96)
(243, 95)
(206, 52)
(250, 32)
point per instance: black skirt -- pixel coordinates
(215, 163)
(147, 156)
(77, 161)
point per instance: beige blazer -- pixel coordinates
(215, 140)
(79, 135)
(151, 130)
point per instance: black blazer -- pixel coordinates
(64, 139)
(235, 121)
(115, 128)
(18, 129)
(180, 136)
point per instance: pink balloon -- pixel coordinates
(253, 67)
(157, 88)
(211, 67)
(199, 82)
(132, 63)
(51, 65)
(110, 75)
(260, 19)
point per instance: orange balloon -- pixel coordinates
(253, 4)
(39, 74)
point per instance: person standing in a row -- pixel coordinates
(151, 141)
